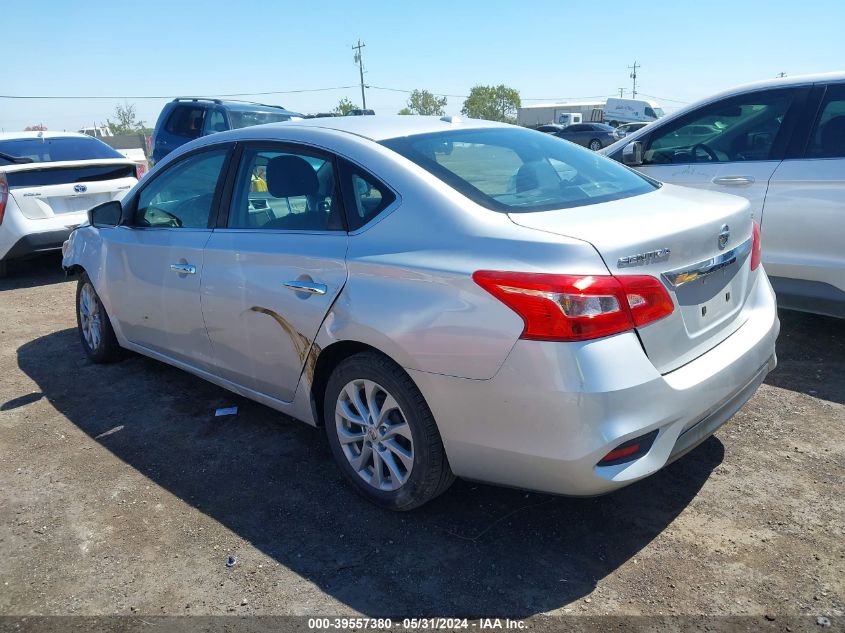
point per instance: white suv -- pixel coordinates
(781, 145)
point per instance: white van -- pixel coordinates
(618, 111)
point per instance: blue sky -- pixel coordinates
(545, 49)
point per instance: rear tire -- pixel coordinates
(382, 433)
(595, 145)
(95, 330)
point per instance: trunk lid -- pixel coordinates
(44, 190)
(672, 234)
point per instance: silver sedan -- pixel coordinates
(446, 297)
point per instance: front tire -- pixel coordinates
(95, 330)
(382, 433)
(595, 145)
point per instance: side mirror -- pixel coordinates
(106, 214)
(632, 154)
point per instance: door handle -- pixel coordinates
(733, 181)
(304, 286)
(184, 269)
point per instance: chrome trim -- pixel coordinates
(678, 277)
(184, 269)
(304, 286)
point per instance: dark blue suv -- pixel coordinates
(187, 118)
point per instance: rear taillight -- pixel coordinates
(140, 170)
(577, 307)
(4, 195)
(629, 451)
(755, 245)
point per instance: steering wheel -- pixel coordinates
(152, 212)
(707, 150)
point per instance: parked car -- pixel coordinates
(626, 128)
(446, 297)
(187, 118)
(592, 135)
(550, 128)
(48, 181)
(781, 145)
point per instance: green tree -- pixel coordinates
(494, 103)
(423, 102)
(345, 106)
(405, 111)
(125, 121)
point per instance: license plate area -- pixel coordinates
(707, 302)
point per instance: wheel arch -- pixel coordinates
(326, 361)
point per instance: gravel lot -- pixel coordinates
(120, 493)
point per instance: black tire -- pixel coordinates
(430, 475)
(595, 145)
(107, 349)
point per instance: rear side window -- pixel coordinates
(366, 195)
(183, 195)
(827, 140)
(186, 121)
(518, 170)
(285, 191)
(53, 149)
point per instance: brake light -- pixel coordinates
(4, 195)
(577, 307)
(140, 170)
(756, 248)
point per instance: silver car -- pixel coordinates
(446, 297)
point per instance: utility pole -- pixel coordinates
(781, 74)
(634, 77)
(359, 57)
(621, 92)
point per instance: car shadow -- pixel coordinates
(477, 551)
(41, 270)
(811, 356)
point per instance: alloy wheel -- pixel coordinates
(90, 317)
(374, 434)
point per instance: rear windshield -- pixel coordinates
(248, 119)
(50, 150)
(515, 170)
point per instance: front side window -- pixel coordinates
(186, 121)
(827, 140)
(183, 195)
(248, 119)
(737, 129)
(281, 190)
(517, 170)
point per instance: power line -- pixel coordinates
(231, 94)
(665, 99)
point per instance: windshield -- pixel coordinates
(248, 119)
(518, 170)
(658, 112)
(52, 149)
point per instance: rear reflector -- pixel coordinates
(576, 307)
(756, 249)
(629, 451)
(4, 195)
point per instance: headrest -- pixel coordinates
(290, 176)
(833, 136)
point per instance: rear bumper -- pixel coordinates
(35, 243)
(555, 409)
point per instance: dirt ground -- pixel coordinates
(120, 493)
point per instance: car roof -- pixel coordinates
(7, 136)
(246, 106)
(382, 127)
